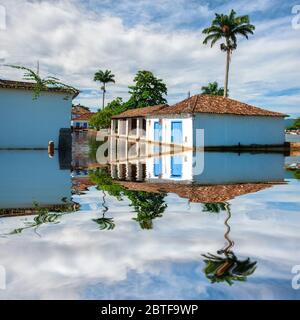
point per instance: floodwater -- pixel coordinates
(151, 224)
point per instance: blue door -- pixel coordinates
(157, 131)
(176, 132)
(176, 166)
(157, 169)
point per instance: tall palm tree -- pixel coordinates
(104, 77)
(228, 27)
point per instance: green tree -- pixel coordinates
(148, 205)
(102, 119)
(43, 84)
(104, 77)
(228, 27)
(295, 125)
(147, 91)
(213, 89)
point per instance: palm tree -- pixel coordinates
(227, 27)
(104, 77)
(213, 89)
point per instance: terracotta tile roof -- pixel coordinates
(216, 105)
(21, 85)
(139, 112)
(84, 116)
(199, 193)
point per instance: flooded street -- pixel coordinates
(148, 223)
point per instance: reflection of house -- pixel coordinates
(81, 122)
(32, 123)
(31, 176)
(212, 120)
(153, 163)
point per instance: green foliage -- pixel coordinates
(295, 125)
(105, 223)
(228, 27)
(147, 91)
(215, 207)
(104, 77)
(43, 84)
(102, 119)
(44, 217)
(227, 269)
(148, 205)
(104, 182)
(213, 89)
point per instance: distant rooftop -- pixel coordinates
(202, 103)
(140, 112)
(85, 116)
(22, 85)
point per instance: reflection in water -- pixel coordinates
(74, 260)
(104, 223)
(44, 217)
(226, 267)
(147, 205)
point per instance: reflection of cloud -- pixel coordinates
(74, 259)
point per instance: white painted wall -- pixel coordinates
(187, 129)
(229, 130)
(32, 123)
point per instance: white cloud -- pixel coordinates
(72, 42)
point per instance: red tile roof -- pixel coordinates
(84, 116)
(21, 85)
(139, 112)
(203, 103)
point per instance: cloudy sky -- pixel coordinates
(72, 39)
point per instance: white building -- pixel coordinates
(141, 161)
(82, 121)
(32, 123)
(203, 120)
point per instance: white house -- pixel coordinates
(203, 120)
(81, 121)
(29, 123)
(141, 161)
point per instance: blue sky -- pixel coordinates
(72, 39)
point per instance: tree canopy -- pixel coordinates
(102, 118)
(213, 89)
(295, 125)
(147, 91)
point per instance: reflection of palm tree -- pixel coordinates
(214, 207)
(104, 222)
(148, 205)
(44, 217)
(227, 267)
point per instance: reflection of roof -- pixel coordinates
(84, 116)
(216, 105)
(21, 85)
(199, 193)
(139, 112)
